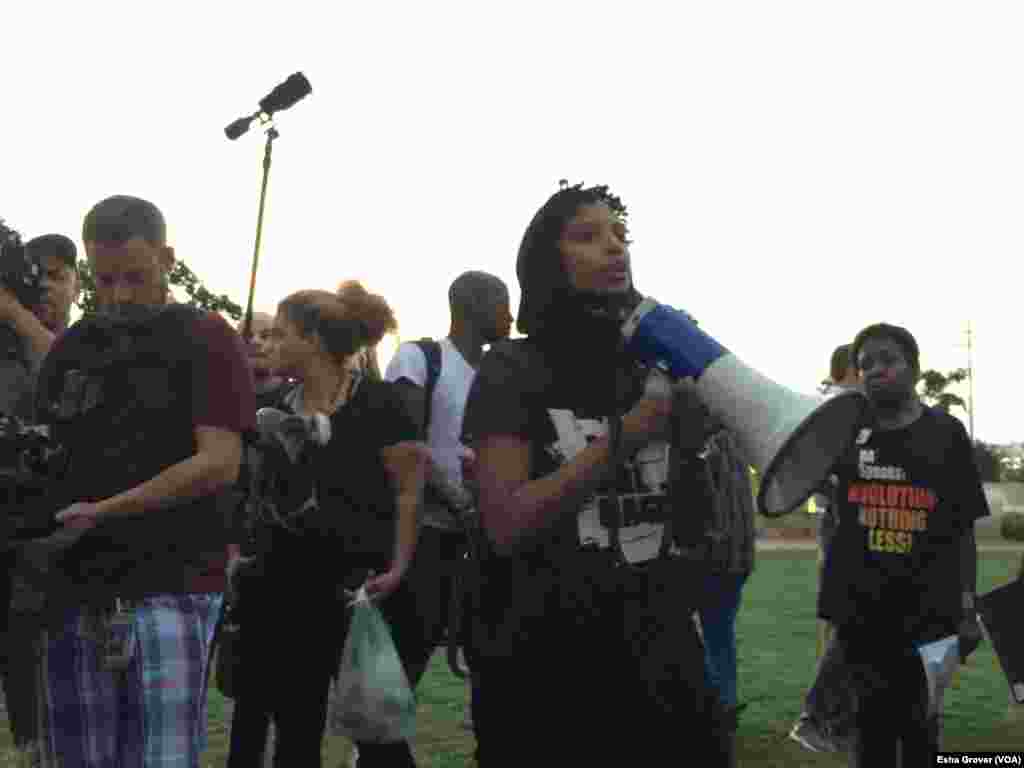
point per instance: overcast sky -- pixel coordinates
(793, 170)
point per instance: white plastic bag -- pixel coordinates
(941, 659)
(373, 701)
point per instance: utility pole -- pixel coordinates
(970, 379)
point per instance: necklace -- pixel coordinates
(346, 388)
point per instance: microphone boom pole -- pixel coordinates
(267, 150)
(285, 95)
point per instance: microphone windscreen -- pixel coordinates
(238, 128)
(286, 94)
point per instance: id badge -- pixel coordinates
(119, 648)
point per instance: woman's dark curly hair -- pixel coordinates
(542, 279)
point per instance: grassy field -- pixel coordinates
(776, 630)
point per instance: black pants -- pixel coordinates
(18, 661)
(299, 712)
(604, 669)
(250, 726)
(290, 646)
(892, 693)
(431, 579)
(830, 701)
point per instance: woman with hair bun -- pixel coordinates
(338, 515)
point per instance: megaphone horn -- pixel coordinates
(792, 439)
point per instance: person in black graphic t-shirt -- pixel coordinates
(583, 628)
(901, 571)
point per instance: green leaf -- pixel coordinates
(180, 275)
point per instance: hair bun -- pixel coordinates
(374, 314)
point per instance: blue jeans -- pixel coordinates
(718, 622)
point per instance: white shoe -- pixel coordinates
(807, 735)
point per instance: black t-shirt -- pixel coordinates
(906, 498)
(355, 523)
(562, 581)
(559, 405)
(521, 390)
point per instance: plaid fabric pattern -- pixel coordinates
(151, 715)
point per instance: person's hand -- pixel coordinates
(80, 516)
(649, 420)
(467, 463)
(235, 567)
(10, 307)
(379, 587)
(37, 555)
(969, 635)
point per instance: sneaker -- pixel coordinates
(809, 736)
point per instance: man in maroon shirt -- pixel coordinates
(147, 507)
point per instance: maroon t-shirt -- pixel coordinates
(222, 397)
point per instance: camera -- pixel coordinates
(23, 276)
(25, 450)
(19, 272)
(27, 456)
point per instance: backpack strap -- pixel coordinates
(432, 352)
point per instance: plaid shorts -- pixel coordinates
(151, 715)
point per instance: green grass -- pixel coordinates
(776, 640)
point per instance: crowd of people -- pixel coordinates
(577, 523)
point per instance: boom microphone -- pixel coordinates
(285, 95)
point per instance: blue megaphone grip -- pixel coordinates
(670, 340)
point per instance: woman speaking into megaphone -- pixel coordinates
(583, 626)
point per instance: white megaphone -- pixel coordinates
(792, 439)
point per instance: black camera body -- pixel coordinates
(19, 272)
(27, 459)
(22, 275)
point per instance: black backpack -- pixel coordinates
(432, 352)
(467, 576)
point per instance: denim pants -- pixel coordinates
(718, 623)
